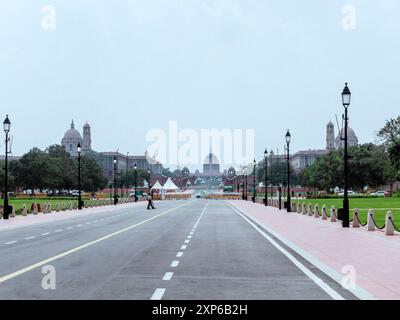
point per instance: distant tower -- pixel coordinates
(87, 139)
(330, 136)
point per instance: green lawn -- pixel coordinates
(379, 205)
(18, 203)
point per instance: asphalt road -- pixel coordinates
(193, 249)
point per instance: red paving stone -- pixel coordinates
(375, 256)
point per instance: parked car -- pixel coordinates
(350, 193)
(380, 194)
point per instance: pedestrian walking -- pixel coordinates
(150, 202)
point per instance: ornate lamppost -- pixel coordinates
(115, 181)
(6, 209)
(79, 149)
(136, 199)
(265, 178)
(254, 181)
(346, 98)
(288, 138)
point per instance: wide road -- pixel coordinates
(195, 249)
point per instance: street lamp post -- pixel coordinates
(288, 138)
(79, 149)
(254, 181)
(115, 180)
(149, 177)
(265, 177)
(6, 209)
(270, 175)
(135, 183)
(346, 97)
(126, 176)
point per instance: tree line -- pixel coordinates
(369, 164)
(52, 169)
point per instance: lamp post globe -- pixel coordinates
(6, 128)
(79, 150)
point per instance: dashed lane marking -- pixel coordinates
(158, 294)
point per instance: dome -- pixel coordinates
(352, 139)
(211, 159)
(72, 134)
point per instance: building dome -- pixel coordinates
(211, 159)
(352, 138)
(72, 133)
(71, 139)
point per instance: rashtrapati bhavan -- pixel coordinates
(105, 159)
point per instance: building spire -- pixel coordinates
(72, 124)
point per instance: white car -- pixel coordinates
(350, 193)
(380, 194)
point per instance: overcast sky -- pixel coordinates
(129, 66)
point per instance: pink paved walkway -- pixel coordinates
(376, 257)
(21, 221)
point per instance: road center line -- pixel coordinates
(30, 238)
(76, 249)
(168, 276)
(158, 294)
(174, 263)
(179, 254)
(11, 242)
(183, 247)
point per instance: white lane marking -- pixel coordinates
(189, 237)
(66, 253)
(187, 241)
(338, 277)
(69, 228)
(33, 237)
(59, 230)
(318, 281)
(11, 242)
(79, 225)
(168, 276)
(174, 263)
(158, 294)
(191, 233)
(183, 247)
(95, 221)
(45, 234)
(179, 254)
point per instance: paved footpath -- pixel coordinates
(374, 257)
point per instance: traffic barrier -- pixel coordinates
(324, 215)
(356, 220)
(310, 212)
(24, 210)
(389, 227)
(304, 211)
(370, 220)
(12, 215)
(333, 214)
(316, 209)
(35, 209)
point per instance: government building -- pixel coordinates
(106, 159)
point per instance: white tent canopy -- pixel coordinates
(169, 185)
(157, 186)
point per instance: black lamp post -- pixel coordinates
(126, 176)
(288, 138)
(115, 181)
(270, 175)
(79, 149)
(254, 181)
(6, 209)
(265, 177)
(149, 177)
(135, 183)
(346, 97)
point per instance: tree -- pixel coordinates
(277, 174)
(91, 173)
(129, 177)
(390, 135)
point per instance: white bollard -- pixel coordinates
(324, 215)
(304, 211)
(316, 214)
(35, 209)
(333, 214)
(370, 222)
(57, 207)
(44, 208)
(298, 207)
(49, 207)
(24, 210)
(389, 227)
(356, 218)
(310, 210)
